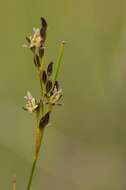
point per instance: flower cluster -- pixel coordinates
(31, 103)
(55, 95)
(35, 42)
(51, 92)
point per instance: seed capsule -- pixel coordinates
(50, 69)
(36, 61)
(48, 86)
(44, 76)
(44, 120)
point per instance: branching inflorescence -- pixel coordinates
(51, 92)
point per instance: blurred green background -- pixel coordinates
(85, 148)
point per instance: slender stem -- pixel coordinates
(36, 155)
(31, 174)
(34, 166)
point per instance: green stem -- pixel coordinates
(34, 166)
(31, 174)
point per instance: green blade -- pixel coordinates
(58, 63)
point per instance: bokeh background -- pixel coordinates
(85, 148)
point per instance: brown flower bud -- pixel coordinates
(50, 69)
(48, 86)
(44, 120)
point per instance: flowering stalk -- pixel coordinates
(51, 93)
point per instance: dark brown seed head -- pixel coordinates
(48, 86)
(43, 23)
(36, 61)
(44, 120)
(50, 69)
(43, 29)
(44, 76)
(43, 34)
